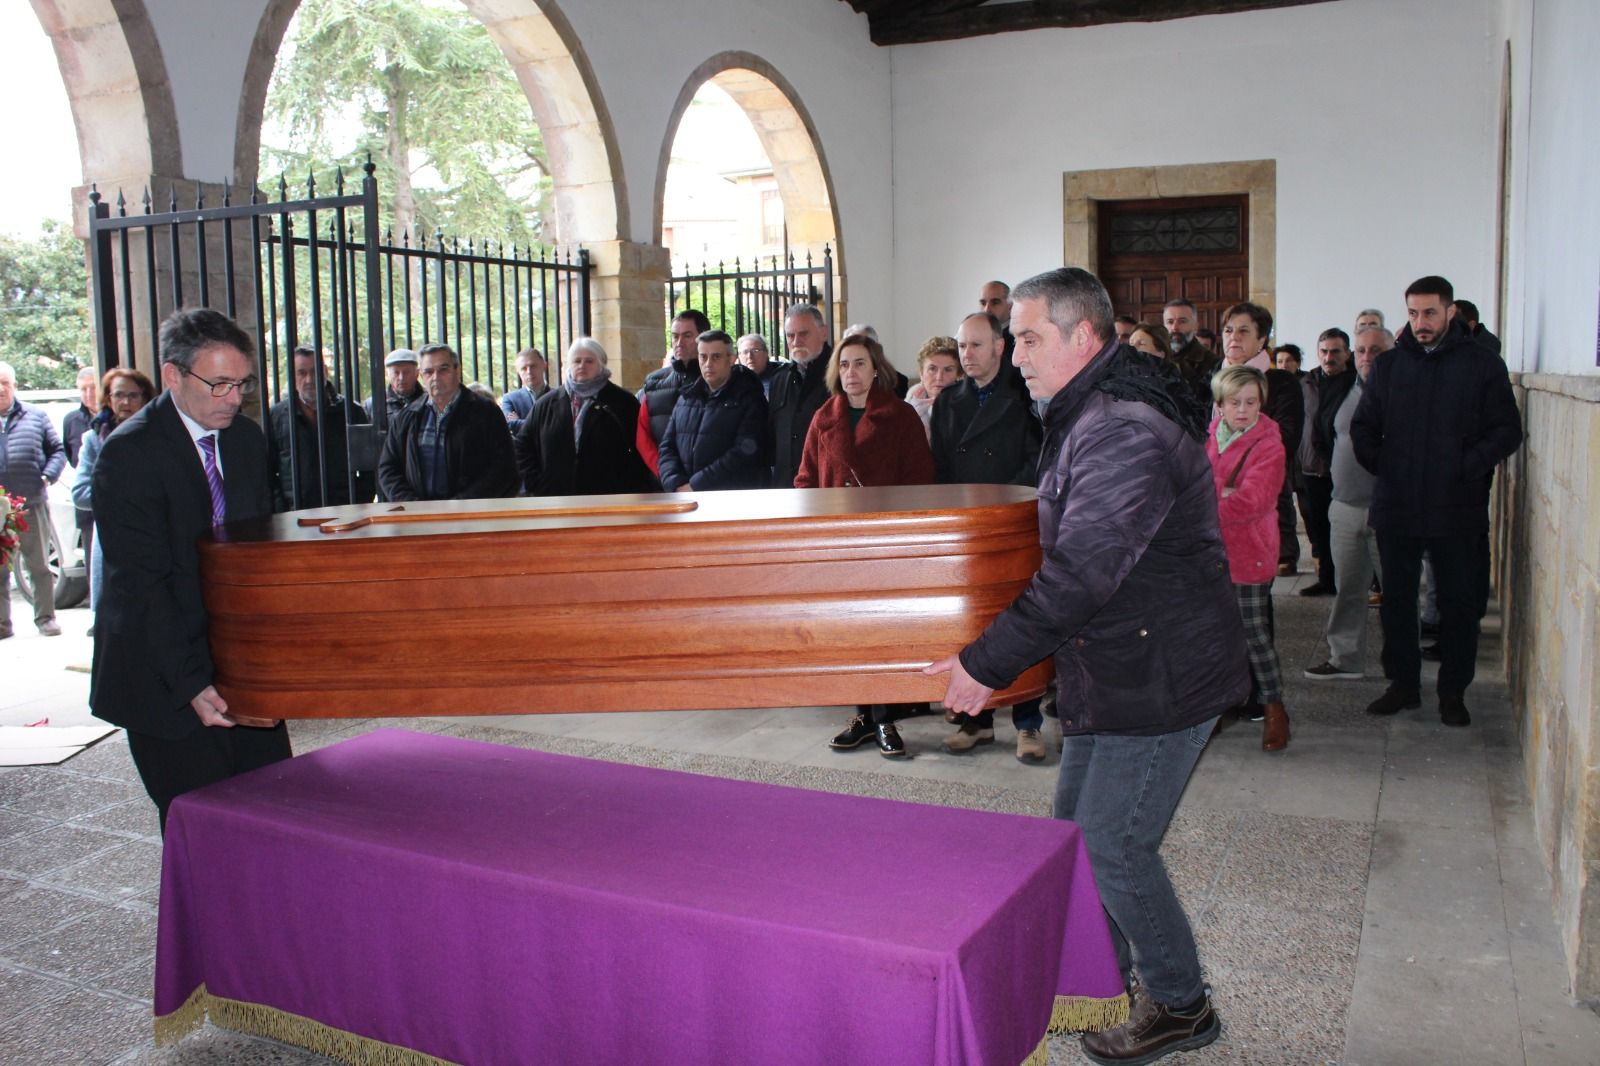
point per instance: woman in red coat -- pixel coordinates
(865, 435)
(1247, 465)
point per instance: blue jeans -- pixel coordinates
(1122, 791)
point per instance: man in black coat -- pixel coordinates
(452, 444)
(581, 439)
(665, 384)
(1193, 359)
(1437, 415)
(798, 392)
(297, 433)
(166, 478)
(983, 431)
(716, 438)
(1322, 390)
(1134, 603)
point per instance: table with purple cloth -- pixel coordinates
(404, 897)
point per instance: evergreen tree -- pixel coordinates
(424, 90)
(45, 332)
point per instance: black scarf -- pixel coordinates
(1133, 375)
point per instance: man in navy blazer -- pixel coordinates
(170, 474)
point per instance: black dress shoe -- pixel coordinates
(1431, 653)
(1453, 711)
(1318, 589)
(1394, 700)
(1430, 629)
(890, 746)
(858, 732)
(1152, 1031)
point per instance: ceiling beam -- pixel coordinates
(947, 22)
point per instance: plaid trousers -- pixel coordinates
(1255, 607)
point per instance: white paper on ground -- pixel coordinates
(46, 745)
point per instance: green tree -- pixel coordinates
(45, 332)
(424, 91)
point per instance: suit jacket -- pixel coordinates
(152, 505)
(995, 443)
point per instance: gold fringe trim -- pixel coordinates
(287, 1028)
(171, 1028)
(1077, 1014)
(1041, 1054)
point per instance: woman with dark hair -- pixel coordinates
(123, 392)
(865, 435)
(1151, 339)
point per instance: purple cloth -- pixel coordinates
(208, 454)
(487, 904)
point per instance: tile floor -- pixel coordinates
(1371, 896)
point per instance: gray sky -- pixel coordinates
(39, 181)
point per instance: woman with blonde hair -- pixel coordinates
(864, 435)
(1247, 467)
(938, 366)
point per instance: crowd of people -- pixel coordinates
(1162, 463)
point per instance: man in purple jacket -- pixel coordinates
(1133, 600)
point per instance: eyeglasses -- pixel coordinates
(247, 387)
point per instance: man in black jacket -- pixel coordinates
(1437, 415)
(717, 436)
(403, 389)
(664, 384)
(983, 431)
(170, 474)
(300, 433)
(798, 392)
(451, 444)
(1323, 389)
(1134, 602)
(1194, 360)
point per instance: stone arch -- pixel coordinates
(585, 164)
(117, 87)
(791, 143)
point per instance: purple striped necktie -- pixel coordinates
(208, 452)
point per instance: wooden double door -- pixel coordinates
(1197, 248)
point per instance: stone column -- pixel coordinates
(627, 306)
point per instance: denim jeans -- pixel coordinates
(1025, 715)
(1122, 791)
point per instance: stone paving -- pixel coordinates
(1373, 895)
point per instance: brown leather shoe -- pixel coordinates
(1152, 1031)
(1275, 731)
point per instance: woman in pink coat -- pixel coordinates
(1247, 465)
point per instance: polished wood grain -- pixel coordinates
(769, 598)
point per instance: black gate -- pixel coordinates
(753, 299)
(315, 271)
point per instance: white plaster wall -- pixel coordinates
(1381, 115)
(1555, 236)
(205, 45)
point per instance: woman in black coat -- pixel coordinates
(579, 440)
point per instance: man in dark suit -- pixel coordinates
(169, 475)
(983, 431)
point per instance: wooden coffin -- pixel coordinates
(771, 598)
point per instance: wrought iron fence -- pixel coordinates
(315, 271)
(753, 299)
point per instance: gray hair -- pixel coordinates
(8, 371)
(587, 344)
(1071, 295)
(1365, 311)
(1388, 338)
(435, 349)
(806, 309)
(87, 370)
(864, 329)
(758, 338)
